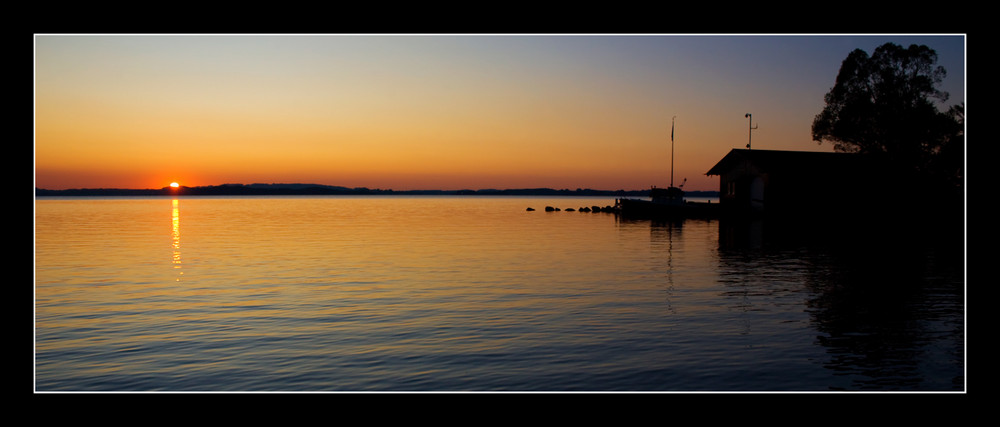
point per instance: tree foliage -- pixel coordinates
(884, 106)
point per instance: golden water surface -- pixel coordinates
(433, 293)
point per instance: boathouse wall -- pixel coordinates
(771, 182)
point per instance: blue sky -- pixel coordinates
(430, 111)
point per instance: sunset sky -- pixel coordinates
(429, 111)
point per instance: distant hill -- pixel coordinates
(319, 189)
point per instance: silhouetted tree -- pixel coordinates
(883, 106)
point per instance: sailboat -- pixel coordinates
(666, 202)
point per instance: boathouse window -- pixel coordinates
(730, 188)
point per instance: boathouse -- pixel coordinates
(777, 182)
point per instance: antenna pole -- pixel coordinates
(749, 132)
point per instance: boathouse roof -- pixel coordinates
(774, 160)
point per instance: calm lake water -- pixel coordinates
(478, 294)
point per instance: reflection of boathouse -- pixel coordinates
(790, 182)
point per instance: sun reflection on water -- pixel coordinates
(175, 234)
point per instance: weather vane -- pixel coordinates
(752, 127)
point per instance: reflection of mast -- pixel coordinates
(670, 262)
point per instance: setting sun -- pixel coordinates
(174, 185)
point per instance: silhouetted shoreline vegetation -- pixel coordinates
(318, 189)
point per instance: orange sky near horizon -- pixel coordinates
(427, 112)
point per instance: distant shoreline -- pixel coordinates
(327, 190)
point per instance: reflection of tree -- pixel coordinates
(887, 311)
(882, 318)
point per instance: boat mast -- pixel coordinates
(672, 151)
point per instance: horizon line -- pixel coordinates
(306, 185)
